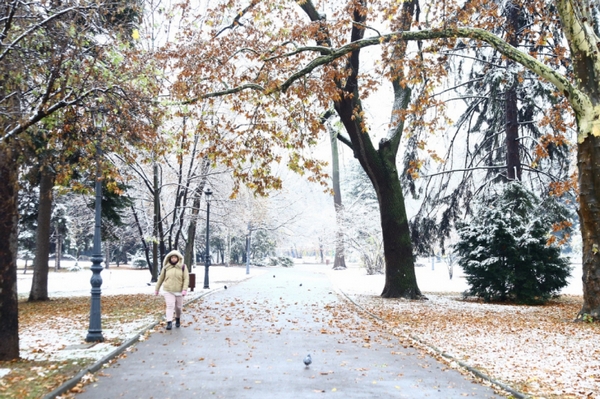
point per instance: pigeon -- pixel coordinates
(307, 360)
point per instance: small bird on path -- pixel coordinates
(307, 360)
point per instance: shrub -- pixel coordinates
(285, 261)
(139, 263)
(504, 250)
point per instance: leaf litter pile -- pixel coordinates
(537, 350)
(50, 333)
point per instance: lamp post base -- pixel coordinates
(206, 278)
(94, 336)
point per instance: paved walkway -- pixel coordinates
(248, 341)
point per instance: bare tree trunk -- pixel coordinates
(513, 159)
(228, 250)
(107, 254)
(39, 283)
(58, 250)
(9, 304)
(339, 263)
(155, 259)
(153, 271)
(191, 233)
(191, 236)
(321, 250)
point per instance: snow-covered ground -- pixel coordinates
(432, 278)
(117, 280)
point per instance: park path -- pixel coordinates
(248, 341)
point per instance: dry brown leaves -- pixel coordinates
(538, 350)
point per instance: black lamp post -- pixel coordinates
(208, 193)
(95, 329)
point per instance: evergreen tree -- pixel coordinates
(504, 250)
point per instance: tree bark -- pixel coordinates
(588, 162)
(58, 256)
(400, 278)
(191, 236)
(576, 19)
(513, 160)
(9, 304)
(339, 263)
(156, 261)
(107, 254)
(39, 283)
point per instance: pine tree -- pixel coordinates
(513, 127)
(504, 250)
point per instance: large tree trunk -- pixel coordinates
(9, 309)
(39, 284)
(400, 278)
(575, 19)
(380, 164)
(588, 162)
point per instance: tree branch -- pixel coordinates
(542, 70)
(9, 46)
(236, 20)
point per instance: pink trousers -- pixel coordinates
(174, 303)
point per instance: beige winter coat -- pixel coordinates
(175, 277)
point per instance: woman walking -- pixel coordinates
(175, 276)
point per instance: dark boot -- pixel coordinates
(177, 322)
(169, 325)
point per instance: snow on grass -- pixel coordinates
(42, 341)
(538, 350)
